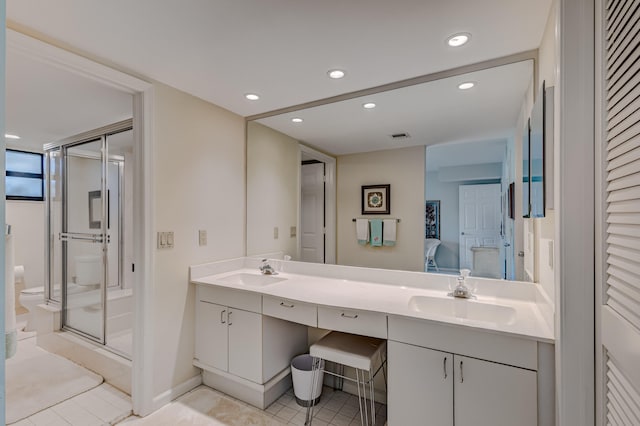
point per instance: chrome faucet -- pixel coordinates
(462, 290)
(267, 269)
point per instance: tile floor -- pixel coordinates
(336, 408)
(99, 406)
(207, 407)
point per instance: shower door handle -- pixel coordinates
(80, 236)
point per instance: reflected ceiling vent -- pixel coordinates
(400, 136)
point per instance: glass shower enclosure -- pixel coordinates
(85, 230)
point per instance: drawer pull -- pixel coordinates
(286, 305)
(222, 321)
(354, 316)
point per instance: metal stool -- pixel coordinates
(354, 351)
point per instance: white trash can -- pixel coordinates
(301, 375)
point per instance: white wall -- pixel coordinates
(273, 169)
(27, 220)
(544, 231)
(402, 168)
(199, 183)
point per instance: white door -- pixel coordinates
(312, 218)
(420, 386)
(490, 394)
(480, 220)
(618, 248)
(211, 335)
(245, 345)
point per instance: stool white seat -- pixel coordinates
(351, 350)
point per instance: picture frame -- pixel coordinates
(376, 199)
(432, 219)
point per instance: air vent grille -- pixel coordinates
(401, 135)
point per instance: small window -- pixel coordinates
(25, 176)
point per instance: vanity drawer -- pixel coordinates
(290, 310)
(245, 300)
(365, 323)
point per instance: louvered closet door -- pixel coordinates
(621, 310)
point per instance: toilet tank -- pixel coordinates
(88, 270)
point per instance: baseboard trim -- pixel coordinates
(169, 395)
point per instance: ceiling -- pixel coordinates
(220, 50)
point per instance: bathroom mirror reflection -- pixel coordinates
(428, 141)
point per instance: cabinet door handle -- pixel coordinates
(354, 316)
(229, 317)
(461, 373)
(444, 367)
(286, 305)
(222, 321)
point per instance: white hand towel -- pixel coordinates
(389, 232)
(362, 231)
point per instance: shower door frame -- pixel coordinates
(100, 134)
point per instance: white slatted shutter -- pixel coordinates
(621, 310)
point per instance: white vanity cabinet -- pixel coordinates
(437, 387)
(431, 383)
(233, 338)
(229, 339)
(419, 386)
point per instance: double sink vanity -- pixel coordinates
(482, 361)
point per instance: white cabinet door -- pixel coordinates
(211, 334)
(245, 344)
(490, 394)
(420, 386)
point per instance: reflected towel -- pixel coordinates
(389, 232)
(376, 232)
(362, 231)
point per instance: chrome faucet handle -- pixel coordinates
(266, 269)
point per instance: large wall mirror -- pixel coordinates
(430, 141)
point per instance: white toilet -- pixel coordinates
(87, 278)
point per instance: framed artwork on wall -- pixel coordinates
(432, 219)
(376, 199)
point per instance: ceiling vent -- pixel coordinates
(400, 136)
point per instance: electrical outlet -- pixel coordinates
(275, 232)
(292, 231)
(202, 237)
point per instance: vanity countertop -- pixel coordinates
(423, 296)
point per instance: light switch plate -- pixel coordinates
(292, 232)
(202, 237)
(275, 232)
(170, 239)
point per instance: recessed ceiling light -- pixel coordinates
(8, 136)
(252, 96)
(466, 85)
(297, 120)
(335, 74)
(369, 105)
(459, 39)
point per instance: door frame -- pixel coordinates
(329, 201)
(143, 196)
(500, 234)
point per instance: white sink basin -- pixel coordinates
(463, 308)
(254, 280)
